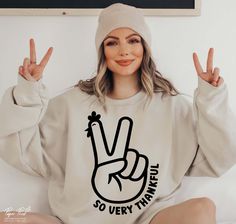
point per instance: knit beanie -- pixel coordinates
(121, 15)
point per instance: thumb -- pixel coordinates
(114, 166)
(26, 72)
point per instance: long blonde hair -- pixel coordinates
(150, 79)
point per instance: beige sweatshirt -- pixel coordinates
(113, 167)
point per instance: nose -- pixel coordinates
(124, 50)
(124, 54)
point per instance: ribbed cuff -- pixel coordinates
(29, 92)
(33, 85)
(207, 90)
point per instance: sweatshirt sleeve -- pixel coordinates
(23, 130)
(215, 129)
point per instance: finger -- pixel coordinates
(20, 70)
(220, 81)
(132, 158)
(122, 137)
(141, 168)
(32, 52)
(210, 60)
(25, 66)
(197, 64)
(46, 57)
(100, 147)
(112, 166)
(28, 77)
(136, 165)
(216, 75)
(26, 70)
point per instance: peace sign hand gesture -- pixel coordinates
(120, 172)
(211, 75)
(30, 70)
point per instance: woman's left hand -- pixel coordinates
(211, 75)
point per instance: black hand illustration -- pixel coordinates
(120, 174)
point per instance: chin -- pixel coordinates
(125, 71)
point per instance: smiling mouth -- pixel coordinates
(124, 62)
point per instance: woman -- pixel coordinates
(116, 147)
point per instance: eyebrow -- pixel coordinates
(117, 38)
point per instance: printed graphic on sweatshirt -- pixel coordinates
(120, 172)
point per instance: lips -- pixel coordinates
(124, 62)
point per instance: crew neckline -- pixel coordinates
(126, 101)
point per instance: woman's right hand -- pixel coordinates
(30, 70)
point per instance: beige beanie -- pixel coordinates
(120, 15)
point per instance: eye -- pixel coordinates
(134, 41)
(111, 43)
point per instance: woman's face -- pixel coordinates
(123, 51)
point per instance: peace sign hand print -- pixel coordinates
(119, 174)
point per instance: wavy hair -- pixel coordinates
(150, 79)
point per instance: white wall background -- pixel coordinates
(74, 56)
